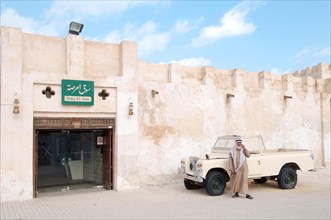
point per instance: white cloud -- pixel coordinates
(311, 52)
(193, 61)
(302, 53)
(131, 32)
(184, 26)
(114, 36)
(83, 9)
(233, 23)
(53, 20)
(279, 71)
(9, 17)
(324, 52)
(146, 36)
(153, 42)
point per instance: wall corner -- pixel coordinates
(264, 80)
(208, 75)
(128, 58)
(174, 74)
(75, 55)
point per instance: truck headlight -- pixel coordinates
(191, 166)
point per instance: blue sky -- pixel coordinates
(276, 36)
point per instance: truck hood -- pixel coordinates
(217, 156)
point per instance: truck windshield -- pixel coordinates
(253, 143)
(224, 143)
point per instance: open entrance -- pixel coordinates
(70, 159)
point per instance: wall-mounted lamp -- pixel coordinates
(131, 108)
(228, 96)
(75, 28)
(16, 108)
(287, 97)
(154, 92)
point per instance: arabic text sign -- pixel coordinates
(77, 92)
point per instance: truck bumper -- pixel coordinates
(195, 178)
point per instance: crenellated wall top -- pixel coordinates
(312, 79)
(76, 56)
(319, 71)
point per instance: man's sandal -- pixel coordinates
(235, 195)
(249, 196)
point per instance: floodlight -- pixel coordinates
(75, 28)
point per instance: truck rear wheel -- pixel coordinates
(261, 181)
(215, 183)
(287, 178)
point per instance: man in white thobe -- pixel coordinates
(239, 170)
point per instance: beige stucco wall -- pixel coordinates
(190, 110)
(30, 63)
(186, 116)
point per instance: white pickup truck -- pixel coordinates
(212, 170)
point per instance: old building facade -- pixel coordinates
(80, 112)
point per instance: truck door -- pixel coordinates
(255, 165)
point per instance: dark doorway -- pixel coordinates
(73, 159)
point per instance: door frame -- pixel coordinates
(107, 158)
(35, 162)
(73, 124)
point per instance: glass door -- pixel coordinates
(52, 151)
(68, 159)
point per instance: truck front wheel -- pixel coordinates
(287, 178)
(215, 183)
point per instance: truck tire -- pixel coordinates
(261, 181)
(287, 178)
(190, 185)
(215, 183)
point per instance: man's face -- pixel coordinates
(238, 143)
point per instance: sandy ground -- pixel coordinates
(309, 200)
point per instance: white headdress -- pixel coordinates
(234, 157)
